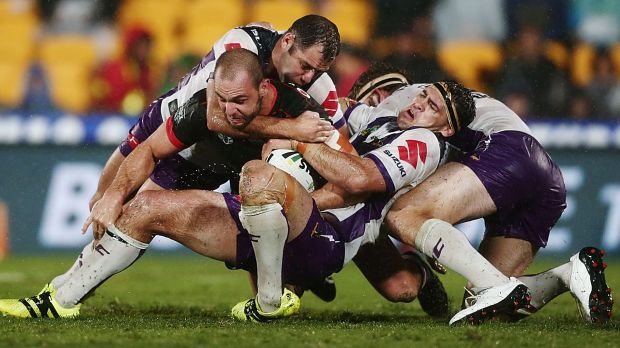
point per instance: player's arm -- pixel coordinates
(362, 175)
(107, 175)
(184, 128)
(309, 127)
(132, 173)
(331, 196)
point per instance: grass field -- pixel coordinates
(181, 300)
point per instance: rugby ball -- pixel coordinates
(294, 164)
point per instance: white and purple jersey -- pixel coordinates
(522, 180)
(492, 116)
(256, 39)
(404, 158)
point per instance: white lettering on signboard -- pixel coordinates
(66, 207)
(66, 204)
(610, 194)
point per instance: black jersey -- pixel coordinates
(219, 153)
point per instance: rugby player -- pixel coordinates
(243, 93)
(282, 222)
(506, 177)
(199, 219)
(300, 56)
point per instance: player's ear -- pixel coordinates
(263, 88)
(288, 39)
(375, 98)
(447, 131)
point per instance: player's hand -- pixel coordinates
(274, 144)
(104, 213)
(94, 199)
(310, 128)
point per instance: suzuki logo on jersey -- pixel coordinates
(399, 165)
(411, 152)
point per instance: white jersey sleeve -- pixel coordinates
(401, 98)
(408, 159)
(358, 116)
(234, 38)
(492, 115)
(323, 90)
(197, 81)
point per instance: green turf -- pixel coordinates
(184, 301)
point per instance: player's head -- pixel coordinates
(377, 83)
(239, 86)
(308, 48)
(444, 107)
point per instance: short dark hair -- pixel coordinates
(231, 62)
(313, 30)
(378, 75)
(463, 101)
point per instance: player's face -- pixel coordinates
(299, 66)
(239, 99)
(428, 110)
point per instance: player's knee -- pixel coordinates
(405, 223)
(139, 213)
(261, 183)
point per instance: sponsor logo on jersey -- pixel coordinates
(232, 46)
(302, 92)
(173, 106)
(257, 39)
(330, 104)
(133, 141)
(225, 138)
(399, 165)
(415, 149)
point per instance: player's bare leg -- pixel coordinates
(424, 217)
(386, 270)
(184, 216)
(112, 164)
(402, 278)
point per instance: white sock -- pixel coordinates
(268, 228)
(61, 279)
(115, 252)
(449, 246)
(547, 285)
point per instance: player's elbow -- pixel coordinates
(357, 184)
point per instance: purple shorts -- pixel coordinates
(177, 173)
(316, 253)
(525, 184)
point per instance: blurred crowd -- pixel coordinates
(546, 59)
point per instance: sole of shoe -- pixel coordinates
(518, 299)
(600, 299)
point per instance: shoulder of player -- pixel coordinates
(235, 38)
(286, 89)
(321, 82)
(421, 134)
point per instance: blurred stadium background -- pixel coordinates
(76, 73)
